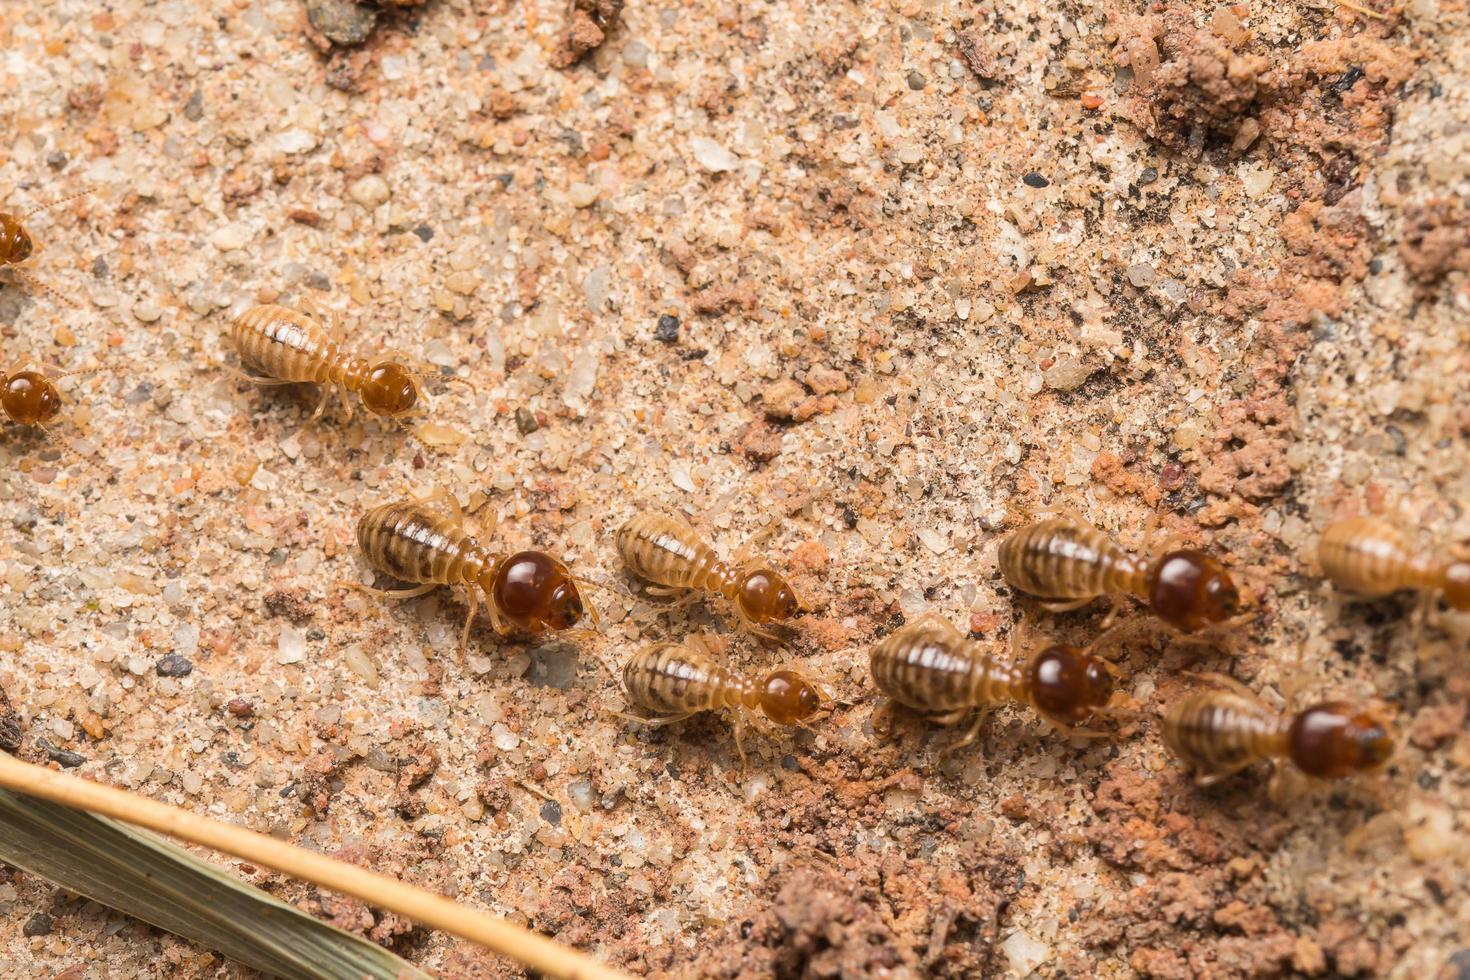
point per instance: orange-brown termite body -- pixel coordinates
(528, 590)
(1220, 731)
(668, 552)
(1070, 563)
(1369, 557)
(932, 668)
(676, 680)
(278, 345)
(32, 399)
(16, 245)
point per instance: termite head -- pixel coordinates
(1189, 590)
(1336, 739)
(534, 591)
(1457, 585)
(15, 241)
(787, 698)
(764, 597)
(29, 398)
(1068, 684)
(390, 389)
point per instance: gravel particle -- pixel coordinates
(712, 156)
(526, 421)
(342, 22)
(667, 331)
(635, 54)
(582, 195)
(1034, 179)
(917, 81)
(174, 666)
(1147, 176)
(1066, 373)
(551, 812)
(369, 191)
(63, 758)
(290, 646)
(1140, 274)
(38, 925)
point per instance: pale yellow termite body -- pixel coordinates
(1369, 557)
(676, 680)
(281, 346)
(1068, 561)
(668, 552)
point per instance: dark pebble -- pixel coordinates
(1147, 176)
(1376, 266)
(788, 762)
(917, 81)
(140, 394)
(194, 108)
(1458, 966)
(1034, 179)
(56, 159)
(424, 232)
(38, 925)
(99, 268)
(551, 812)
(174, 666)
(526, 421)
(316, 634)
(63, 758)
(342, 22)
(667, 331)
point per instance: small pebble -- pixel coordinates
(526, 421)
(1034, 179)
(635, 54)
(369, 191)
(290, 646)
(582, 195)
(712, 156)
(38, 925)
(63, 758)
(174, 666)
(1147, 176)
(551, 812)
(342, 22)
(667, 331)
(1140, 274)
(917, 81)
(424, 233)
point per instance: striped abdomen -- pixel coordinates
(414, 544)
(1369, 557)
(1218, 732)
(1060, 558)
(666, 551)
(928, 668)
(286, 345)
(670, 679)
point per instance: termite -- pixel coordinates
(1369, 557)
(934, 669)
(529, 590)
(677, 680)
(280, 346)
(32, 399)
(16, 245)
(1223, 730)
(668, 552)
(1068, 561)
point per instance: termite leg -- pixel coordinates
(970, 735)
(464, 637)
(390, 593)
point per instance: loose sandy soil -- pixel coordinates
(936, 266)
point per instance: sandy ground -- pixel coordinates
(934, 266)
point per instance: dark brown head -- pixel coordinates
(1336, 739)
(15, 241)
(1189, 590)
(29, 398)
(1456, 585)
(390, 389)
(788, 698)
(1068, 684)
(764, 597)
(535, 592)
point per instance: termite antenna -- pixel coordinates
(55, 204)
(41, 286)
(69, 446)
